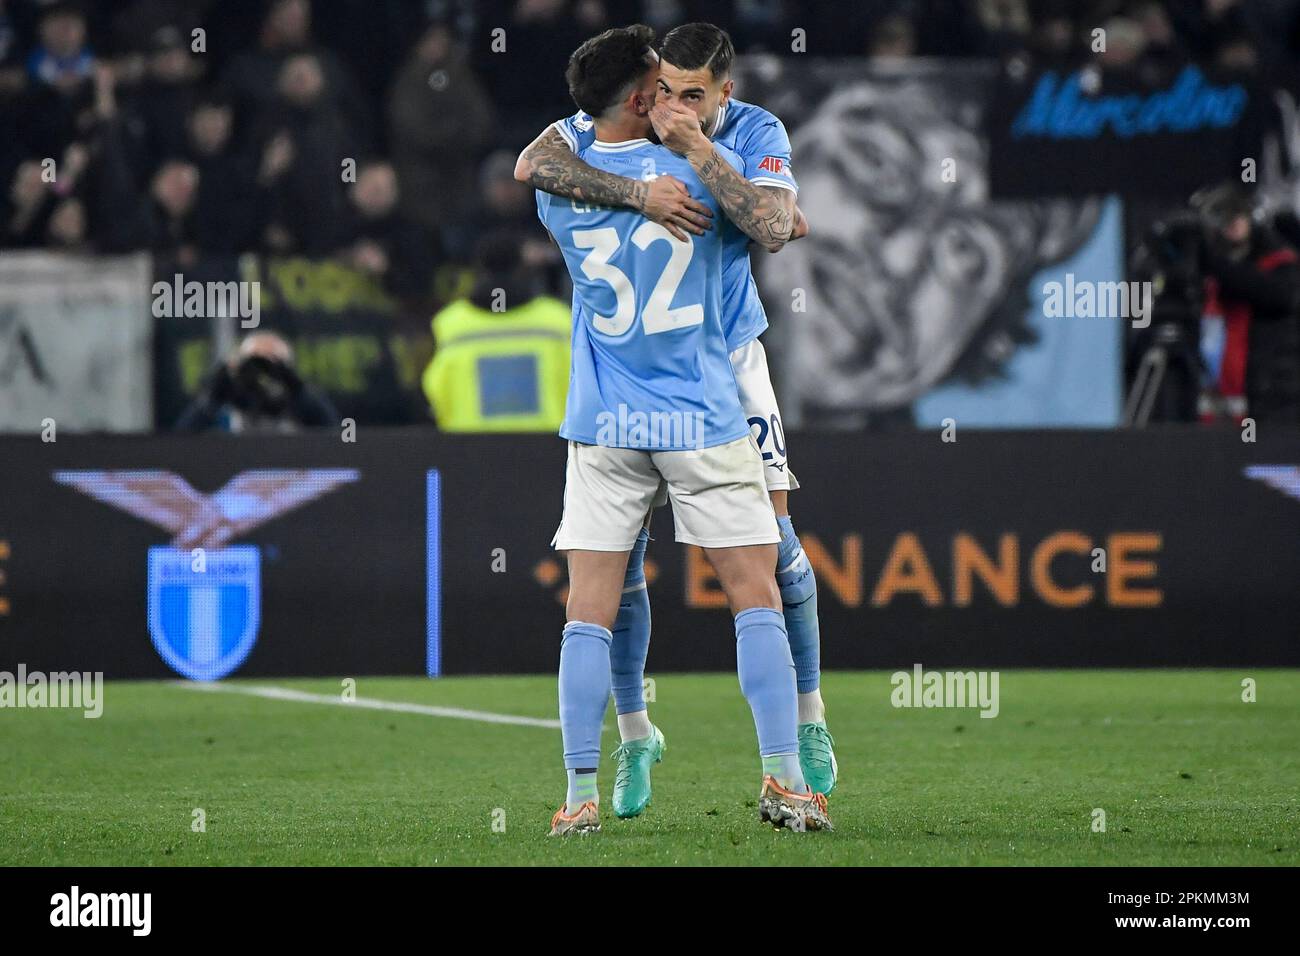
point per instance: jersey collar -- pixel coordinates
(622, 147)
(722, 121)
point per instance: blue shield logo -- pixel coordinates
(204, 622)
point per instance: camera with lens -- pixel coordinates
(1164, 366)
(263, 386)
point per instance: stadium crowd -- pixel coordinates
(383, 133)
(229, 140)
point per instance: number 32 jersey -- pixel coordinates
(760, 140)
(651, 367)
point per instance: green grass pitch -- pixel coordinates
(1186, 772)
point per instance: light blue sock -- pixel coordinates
(798, 586)
(767, 681)
(584, 692)
(631, 642)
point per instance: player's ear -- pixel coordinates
(727, 87)
(641, 102)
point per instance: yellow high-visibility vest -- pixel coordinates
(500, 371)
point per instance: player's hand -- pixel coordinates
(677, 127)
(668, 203)
(800, 225)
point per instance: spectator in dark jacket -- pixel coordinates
(155, 211)
(58, 86)
(382, 241)
(156, 109)
(1253, 281)
(507, 207)
(253, 78)
(440, 123)
(230, 203)
(304, 144)
(160, 219)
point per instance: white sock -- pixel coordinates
(634, 726)
(785, 768)
(811, 708)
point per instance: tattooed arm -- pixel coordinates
(549, 165)
(764, 213)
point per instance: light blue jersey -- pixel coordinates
(651, 367)
(760, 140)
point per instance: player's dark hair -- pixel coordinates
(699, 46)
(606, 65)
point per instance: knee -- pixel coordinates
(760, 592)
(590, 612)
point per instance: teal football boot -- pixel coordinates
(632, 779)
(817, 758)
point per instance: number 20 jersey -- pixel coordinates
(647, 333)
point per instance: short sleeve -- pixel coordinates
(766, 154)
(578, 131)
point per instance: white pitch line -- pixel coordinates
(366, 703)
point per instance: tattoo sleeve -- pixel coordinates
(764, 213)
(554, 169)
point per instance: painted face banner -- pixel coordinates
(916, 297)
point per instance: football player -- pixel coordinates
(653, 402)
(696, 116)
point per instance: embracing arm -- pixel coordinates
(549, 165)
(764, 213)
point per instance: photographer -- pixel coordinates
(257, 390)
(1252, 284)
(1164, 369)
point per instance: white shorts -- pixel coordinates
(758, 399)
(718, 496)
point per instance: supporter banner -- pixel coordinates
(349, 337)
(1057, 132)
(915, 298)
(74, 343)
(407, 553)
